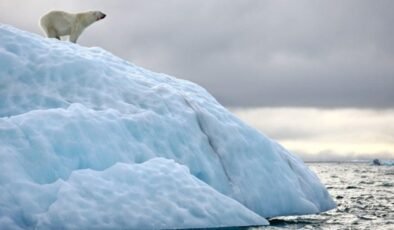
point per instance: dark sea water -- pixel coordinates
(364, 195)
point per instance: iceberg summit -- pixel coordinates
(90, 141)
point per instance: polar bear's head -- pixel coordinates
(85, 19)
(99, 15)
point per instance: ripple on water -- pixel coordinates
(364, 195)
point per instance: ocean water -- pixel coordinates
(364, 195)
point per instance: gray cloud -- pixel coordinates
(248, 52)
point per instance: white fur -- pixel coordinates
(59, 23)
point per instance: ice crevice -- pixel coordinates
(201, 125)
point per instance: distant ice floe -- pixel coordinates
(90, 140)
(382, 162)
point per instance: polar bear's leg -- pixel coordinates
(74, 37)
(51, 33)
(75, 32)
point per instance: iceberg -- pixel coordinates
(88, 140)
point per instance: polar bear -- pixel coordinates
(59, 23)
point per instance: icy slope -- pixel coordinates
(83, 135)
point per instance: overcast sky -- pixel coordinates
(248, 52)
(327, 134)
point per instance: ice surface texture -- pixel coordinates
(90, 140)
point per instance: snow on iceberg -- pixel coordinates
(88, 139)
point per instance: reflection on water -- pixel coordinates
(364, 195)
